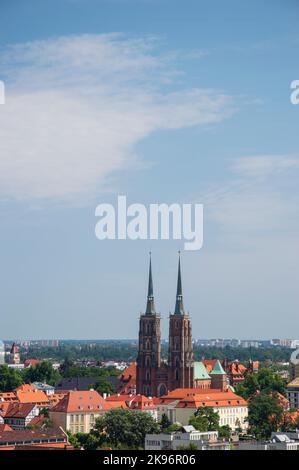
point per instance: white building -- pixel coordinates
(184, 438)
(278, 441)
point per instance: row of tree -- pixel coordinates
(11, 378)
(127, 351)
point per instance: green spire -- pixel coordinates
(218, 369)
(179, 306)
(150, 306)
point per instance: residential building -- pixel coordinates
(146, 404)
(278, 441)
(127, 380)
(34, 439)
(179, 405)
(78, 410)
(19, 415)
(27, 393)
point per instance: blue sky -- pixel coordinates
(163, 101)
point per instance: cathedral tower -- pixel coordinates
(180, 353)
(149, 351)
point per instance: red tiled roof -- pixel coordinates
(8, 396)
(25, 388)
(219, 399)
(117, 404)
(19, 410)
(4, 407)
(140, 402)
(81, 401)
(31, 362)
(120, 397)
(129, 372)
(28, 435)
(31, 395)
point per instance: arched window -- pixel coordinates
(147, 376)
(176, 374)
(162, 390)
(147, 361)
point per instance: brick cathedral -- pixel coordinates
(154, 376)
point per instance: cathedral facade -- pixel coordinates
(154, 376)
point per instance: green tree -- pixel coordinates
(9, 378)
(224, 432)
(173, 427)
(42, 372)
(264, 415)
(73, 440)
(126, 427)
(265, 381)
(205, 419)
(103, 385)
(90, 441)
(165, 422)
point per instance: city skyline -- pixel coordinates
(163, 103)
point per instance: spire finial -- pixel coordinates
(150, 306)
(179, 306)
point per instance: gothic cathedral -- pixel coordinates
(154, 376)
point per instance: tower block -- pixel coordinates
(149, 351)
(180, 353)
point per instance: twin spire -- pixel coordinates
(150, 306)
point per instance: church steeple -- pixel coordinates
(179, 306)
(150, 306)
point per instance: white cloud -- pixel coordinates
(77, 106)
(261, 197)
(264, 165)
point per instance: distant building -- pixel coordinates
(31, 362)
(2, 353)
(14, 355)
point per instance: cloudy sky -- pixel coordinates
(161, 101)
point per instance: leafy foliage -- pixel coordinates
(265, 381)
(9, 378)
(42, 372)
(126, 427)
(104, 386)
(265, 414)
(205, 419)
